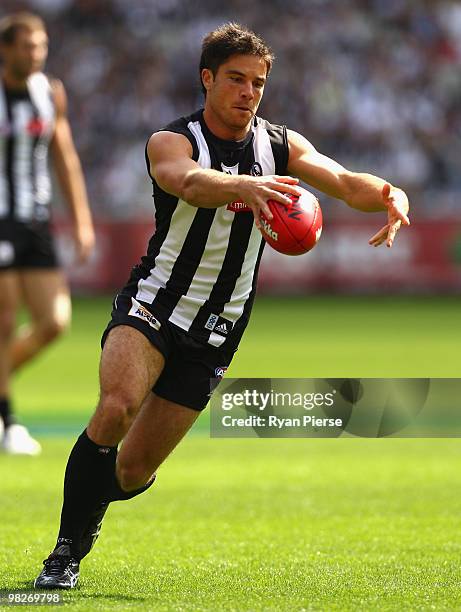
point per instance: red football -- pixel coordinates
(295, 228)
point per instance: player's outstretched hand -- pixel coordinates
(396, 202)
(257, 190)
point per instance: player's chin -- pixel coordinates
(240, 121)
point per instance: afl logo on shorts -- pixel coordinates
(220, 371)
(256, 169)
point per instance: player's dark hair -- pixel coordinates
(12, 24)
(231, 39)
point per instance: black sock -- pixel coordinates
(89, 481)
(89, 468)
(6, 413)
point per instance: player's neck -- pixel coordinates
(12, 81)
(221, 130)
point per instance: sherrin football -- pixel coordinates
(296, 227)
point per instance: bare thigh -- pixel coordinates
(130, 366)
(156, 431)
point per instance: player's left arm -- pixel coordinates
(70, 175)
(359, 190)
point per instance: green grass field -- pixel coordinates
(258, 524)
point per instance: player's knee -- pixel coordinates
(58, 320)
(116, 410)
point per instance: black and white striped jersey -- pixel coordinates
(26, 127)
(201, 267)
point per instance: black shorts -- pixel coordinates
(24, 245)
(191, 367)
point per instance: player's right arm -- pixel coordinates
(174, 170)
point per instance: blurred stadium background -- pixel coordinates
(370, 525)
(373, 83)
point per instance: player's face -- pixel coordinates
(234, 93)
(27, 54)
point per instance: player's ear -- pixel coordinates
(207, 78)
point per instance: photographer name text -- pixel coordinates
(279, 422)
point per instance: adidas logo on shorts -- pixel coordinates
(221, 328)
(218, 324)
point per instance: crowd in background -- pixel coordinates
(374, 83)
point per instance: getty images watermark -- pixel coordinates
(336, 407)
(254, 400)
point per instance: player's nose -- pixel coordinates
(248, 91)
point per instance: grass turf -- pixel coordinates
(258, 524)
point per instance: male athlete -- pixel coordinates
(32, 121)
(178, 321)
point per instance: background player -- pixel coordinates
(33, 120)
(182, 314)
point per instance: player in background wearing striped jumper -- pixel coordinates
(32, 121)
(178, 321)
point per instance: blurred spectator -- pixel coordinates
(375, 83)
